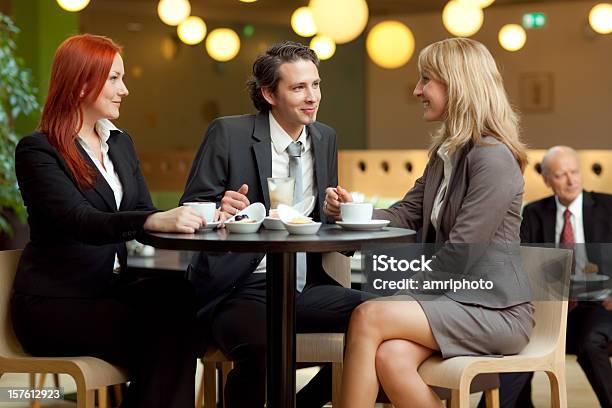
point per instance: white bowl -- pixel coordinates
(243, 228)
(286, 213)
(273, 224)
(255, 211)
(303, 229)
(305, 206)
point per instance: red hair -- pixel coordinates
(80, 69)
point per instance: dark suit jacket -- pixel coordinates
(74, 233)
(480, 221)
(539, 219)
(237, 150)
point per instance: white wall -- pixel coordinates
(580, 63)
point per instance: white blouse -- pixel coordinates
(107, 169)
(442, 190)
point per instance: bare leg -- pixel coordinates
(397, 362)
(371, 324)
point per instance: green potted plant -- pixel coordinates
(17, 97)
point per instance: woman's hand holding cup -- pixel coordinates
(181, 219)
(334, 196)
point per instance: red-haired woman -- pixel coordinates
(85, 195)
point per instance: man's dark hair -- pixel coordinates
(266, 67)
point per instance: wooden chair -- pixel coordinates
(310, 347)
(548, 270)
(89, 373)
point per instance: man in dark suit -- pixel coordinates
(572, 216)
(231, 168)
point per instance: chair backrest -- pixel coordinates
(548, 270)
(9, 345)
(338, 266)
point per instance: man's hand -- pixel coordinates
(234, 201)
(607, 304)
(334, 196)
(221, 216)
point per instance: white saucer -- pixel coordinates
(589, 277)
(595, 295)
(364, 226)
(210, 226)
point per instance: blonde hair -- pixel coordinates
(477, 103)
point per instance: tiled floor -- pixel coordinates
(579, 392)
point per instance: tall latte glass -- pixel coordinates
(281, 191)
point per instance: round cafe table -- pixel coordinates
(280, 248)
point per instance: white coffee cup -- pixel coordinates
(205, 209)
(356, 212)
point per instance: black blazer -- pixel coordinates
(539, 220)
(237, 150)
(74, 233)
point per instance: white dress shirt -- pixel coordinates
(280, 158)
(576, 221)
(442, 190)
(107, 169)
(280, 168)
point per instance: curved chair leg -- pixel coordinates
(118, 392)
(41, 383)
(558, 392)
(492, 398)
(461, 398)
(336, 383)
(200, 398)
(209, 380)
(86, 398)
(102, 397)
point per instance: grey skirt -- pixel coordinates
(472, 330)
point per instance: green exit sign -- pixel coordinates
(534, 20)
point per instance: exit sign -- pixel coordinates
(534, 20)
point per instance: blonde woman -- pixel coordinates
(470, 193)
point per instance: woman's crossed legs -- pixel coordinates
(387, 342)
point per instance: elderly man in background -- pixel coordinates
(572, 216)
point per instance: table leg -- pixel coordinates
(281, 330)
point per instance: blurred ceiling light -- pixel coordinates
(461, 19)
(340, 20)
(168, 48)
(600, 18)
(303, 23)
(478, 3)
(173, 12)
(222, 44)
(512, 37)
(73, 5)
(323, 46)
(248, 1)
(137, 71)
(390, 44)
(192, 31)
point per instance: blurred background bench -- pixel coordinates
(382, 176)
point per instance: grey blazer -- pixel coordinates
(480, 221)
